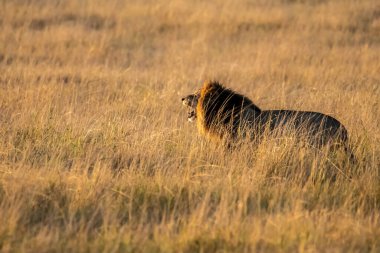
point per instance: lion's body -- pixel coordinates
(224, 115)
(320, 129)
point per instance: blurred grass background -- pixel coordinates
(96, 154)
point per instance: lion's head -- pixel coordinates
(191, 101)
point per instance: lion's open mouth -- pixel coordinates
(191, 115)
(190, 102)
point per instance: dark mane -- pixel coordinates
(222, 111)
(219, 97)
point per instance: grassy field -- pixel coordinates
(96, 154)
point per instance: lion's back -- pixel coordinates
(321, 126)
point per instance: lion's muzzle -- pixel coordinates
(191, 103)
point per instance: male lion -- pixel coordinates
(223, 114)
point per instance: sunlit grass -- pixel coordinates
(96, 154)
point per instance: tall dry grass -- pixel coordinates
(96, 154)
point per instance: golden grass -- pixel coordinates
(96, 154)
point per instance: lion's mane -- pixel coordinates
(223, 113)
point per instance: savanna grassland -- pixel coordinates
(96, 154)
